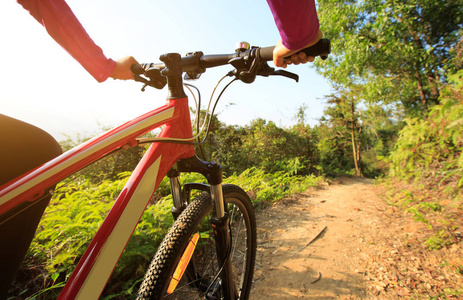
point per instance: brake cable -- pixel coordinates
(187, 140)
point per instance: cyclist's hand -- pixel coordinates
(280, 52)
(122, 70)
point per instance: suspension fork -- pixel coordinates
(222, 235)
(213, 173)
(177, 196)
(219, 221)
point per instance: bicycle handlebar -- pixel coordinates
(248, 61)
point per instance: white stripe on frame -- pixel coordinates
(111, 251)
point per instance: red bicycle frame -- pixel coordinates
(95, 267)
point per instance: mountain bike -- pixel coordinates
(209, 252)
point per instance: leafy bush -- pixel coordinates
(264, 145)
(267, 188)
(430, 150)
(428, 157)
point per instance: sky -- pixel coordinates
(43, 85)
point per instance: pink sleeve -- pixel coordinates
(296, 21)
(62, 25)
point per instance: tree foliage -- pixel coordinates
(399, 50)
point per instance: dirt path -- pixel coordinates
(310, 246)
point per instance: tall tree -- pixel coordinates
(398, 49)
(344, 121)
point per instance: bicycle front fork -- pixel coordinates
(213, 173)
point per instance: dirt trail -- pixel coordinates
(310, 245)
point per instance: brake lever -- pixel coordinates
(155, 79)
(286, 74)
(265, 70)
(138, 78)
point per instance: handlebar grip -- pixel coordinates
(137, 69)
(322, 48)
(266, 53)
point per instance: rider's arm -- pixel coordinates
(299, 28)
(63, 26)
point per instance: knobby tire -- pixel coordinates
(205, 284)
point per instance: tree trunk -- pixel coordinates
(421, 90)
(355, 150)
(433, 86)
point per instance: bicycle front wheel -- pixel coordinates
(201, 278)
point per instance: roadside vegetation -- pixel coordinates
(428, 163)
(81, 203)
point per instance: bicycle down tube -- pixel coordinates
(100, 258)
